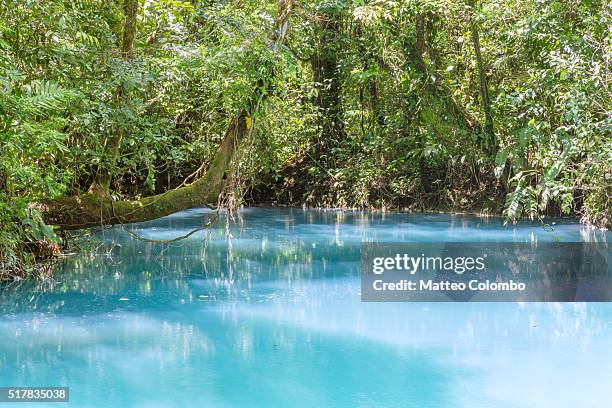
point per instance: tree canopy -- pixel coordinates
(124, 110)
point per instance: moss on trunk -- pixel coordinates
(89, 210)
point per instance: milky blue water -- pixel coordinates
(270, 316)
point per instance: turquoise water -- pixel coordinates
(271, 317)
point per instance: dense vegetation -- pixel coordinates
(426, 104)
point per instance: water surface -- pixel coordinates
(271, 317)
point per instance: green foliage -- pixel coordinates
(401, 78)
(558, 115)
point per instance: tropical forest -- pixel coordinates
(121, 111)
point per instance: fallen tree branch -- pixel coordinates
(89, 210)
(179, 238)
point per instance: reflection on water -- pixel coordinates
(277, 321)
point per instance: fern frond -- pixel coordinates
(44, 98)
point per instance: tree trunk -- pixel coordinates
(89, 210)
(326, 76)
(488, 142)
(369, 59)
(130, 11)
(439, 91)
(420, 34)
(418, 52)
(102, 179)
